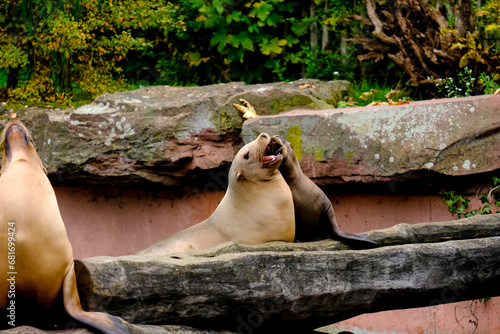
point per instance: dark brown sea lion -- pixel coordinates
(314, 215)
(37, 257)
(256, 208)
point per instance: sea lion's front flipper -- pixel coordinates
(357, 241)
(105, 323)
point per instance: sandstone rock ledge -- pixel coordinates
(181, 136)
(446, 137)
(160, 135)
(299, 286)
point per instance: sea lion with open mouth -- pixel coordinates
(256, 208)
(314, 215)
(37, 257)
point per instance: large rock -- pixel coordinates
(299, 286)
(163, 135)
(183, 135)
(451, 137)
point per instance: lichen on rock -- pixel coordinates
(452, 137)
(160, 135)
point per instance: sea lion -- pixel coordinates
(314, 215)
(256, 208)
(35, 250)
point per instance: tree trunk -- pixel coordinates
(343, 47)
(12, 78)
(464, 20)
(413, 35)
(325, 41)
(299, 286)
(314, 29)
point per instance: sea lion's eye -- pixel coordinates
(246, 156)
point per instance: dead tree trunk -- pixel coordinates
(419, 40)
(299, 286)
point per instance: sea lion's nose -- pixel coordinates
(264, 135)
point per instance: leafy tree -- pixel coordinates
(61, 49)
(428, 41)
(54, 49)
(257, 41)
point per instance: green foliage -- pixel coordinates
(376, 92)
(368, 92)
(327, 65)
(465, 84)
(62, 50)
(479, 55)
(462, 86)
(254, 41)
(53, 49)
(459, 204)
(489, 83)
(488, 23)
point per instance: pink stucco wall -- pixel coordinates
(123, 221)
(455, 318)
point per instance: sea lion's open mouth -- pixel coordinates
(273, 153)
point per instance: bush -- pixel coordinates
(54, 49)
(59, 50)
(257, 41)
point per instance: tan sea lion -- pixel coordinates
(256, 208)
(36, 254)
(314, 215)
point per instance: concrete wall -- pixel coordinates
(122, 221)
(455, 318)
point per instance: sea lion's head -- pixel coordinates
(258, 160)
(17, 143)
(290, 162)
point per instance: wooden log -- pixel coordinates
(285, 285)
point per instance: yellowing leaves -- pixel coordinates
(274, 45)
(261, 10)
(390, 102)
(195, 59)
(366, 96)
(392, 94)
(201, 18)
(374, 95)
(246, 108)
(399, 102)
(301, 87)
(481, 13)
(492, 28)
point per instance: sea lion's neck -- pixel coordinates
(23, 155)
(290, 169)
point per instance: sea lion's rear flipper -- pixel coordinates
(357, 241)
(102, 322)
